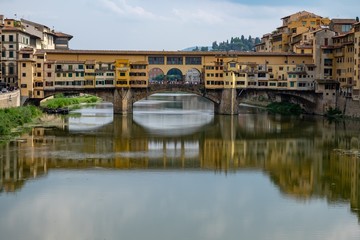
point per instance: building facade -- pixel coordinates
(21, 34)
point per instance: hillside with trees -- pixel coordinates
(235, 44)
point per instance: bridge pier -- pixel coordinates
(228, 103)
(123, 101)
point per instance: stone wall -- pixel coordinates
(348, 106)
(10, 99)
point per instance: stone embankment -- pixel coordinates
(10, 99)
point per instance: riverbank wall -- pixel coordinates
(10, 99)
(348, 106)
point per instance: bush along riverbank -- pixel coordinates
(285, 108)
(334, 113)
(61, 104)
(12, 118)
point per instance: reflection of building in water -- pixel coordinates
(289, 162)
(300, 166)
(12, 177)
(342, 179)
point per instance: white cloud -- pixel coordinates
(122, 8)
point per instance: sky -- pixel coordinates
(166, 24)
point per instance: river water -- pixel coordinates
(174, 170)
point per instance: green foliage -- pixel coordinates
(285, 108)
(61, 102)
(333, 113)
(236, 44)
(11, 118)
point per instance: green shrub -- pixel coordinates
(285, 108)
(14, 117)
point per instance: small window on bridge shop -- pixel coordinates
(109, 82)
(174, 60)
(23, 85)
(90, 66)
(122, 74)
(156, 60)
(261, 75)
(193, 61)
(80, 66)
(58, 67)
(38, 84)
(242, 83)
(301, 84)
(121, 82)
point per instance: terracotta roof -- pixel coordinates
(342, 21)
(64, 35)
(183, 53)
(67, 62)
(304, 46)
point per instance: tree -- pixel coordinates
(215, 46)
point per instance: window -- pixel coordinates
(70, 74)
(11, 69)
(49, 74)
(157, 60)
(122, 74)
(70, 67)
(174, 60)
(81, 66)
(23, 64)
(11, 54)
(49, 66)
(38, 65)
(193, 61)
(38, 74)
(24, 74)
(11, 46)
(11, 38)
(345, 28)
(232, 64)
(328, 62)
(23, 85)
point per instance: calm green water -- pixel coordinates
(173, 170)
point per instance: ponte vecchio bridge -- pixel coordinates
(124, 77)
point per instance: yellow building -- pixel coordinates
(290, 34)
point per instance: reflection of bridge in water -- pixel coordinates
(292, 161)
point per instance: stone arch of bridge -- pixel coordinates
(106, 95)
(156, 75)
(174, 74)
(193, 76)
(305, 101)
